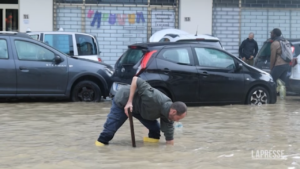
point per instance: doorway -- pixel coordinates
(9, 17)
(1, 19)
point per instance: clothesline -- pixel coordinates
(137, 17)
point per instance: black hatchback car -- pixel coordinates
(194, 73)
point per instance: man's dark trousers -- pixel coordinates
(116, 119)
(280, 72)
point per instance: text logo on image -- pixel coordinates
(267, 155)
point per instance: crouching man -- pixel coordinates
(147, 105)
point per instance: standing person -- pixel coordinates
(248, 49)
(146, 104)
(278, 66)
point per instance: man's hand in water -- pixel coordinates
(170, 142)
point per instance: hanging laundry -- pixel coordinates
(97, 17)
(131, 18)
(105, 17)
(140, 16)
(121, 19)
(112, 19)
(90, 13)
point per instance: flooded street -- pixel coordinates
(62, 136)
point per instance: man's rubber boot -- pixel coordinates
(151, 140)
(99, 144)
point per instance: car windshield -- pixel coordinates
(131, 57)
(265, 52)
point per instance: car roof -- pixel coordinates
(190, 36)
(162, 44)
(58, 32)
(16, 34)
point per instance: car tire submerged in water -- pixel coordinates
(258, 96)
(86, 91)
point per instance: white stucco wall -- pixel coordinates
(200, 13)
(40, 15)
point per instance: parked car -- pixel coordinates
(294, 79)
(175, 35)
(262, 59)
(77, 44)
(194, 73)
(30, 68)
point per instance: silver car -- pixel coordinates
(76, 44)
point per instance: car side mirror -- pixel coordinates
(239, 67)
(58, 59)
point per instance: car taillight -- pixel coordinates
(145, 61)
(99, 59)
(293, 49)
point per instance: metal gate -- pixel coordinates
(116, 24)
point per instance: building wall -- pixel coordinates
(200, 13)
(226, 26)
(114, 37)
(40, 14)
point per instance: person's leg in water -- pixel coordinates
(115, 119)
(152, 126)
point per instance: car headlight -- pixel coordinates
(109, 72)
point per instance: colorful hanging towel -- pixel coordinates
(140, 16)
(112, 19)
(121, 19)
(90, 13)
(97, 17)
(105, 17)
(131, 18)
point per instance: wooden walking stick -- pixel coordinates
(131, 128)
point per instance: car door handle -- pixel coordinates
(166, 70)
(23, 69)
(204, 74)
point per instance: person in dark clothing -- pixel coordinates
(147, 105)
(279, 68)
(248, 49)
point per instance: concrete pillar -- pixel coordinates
(200, 14)
(40, 15)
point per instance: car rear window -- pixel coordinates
(131, 57)
(86, 45)
(265, 52)
(216, 44)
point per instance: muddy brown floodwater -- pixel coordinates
(62, 136)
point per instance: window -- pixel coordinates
(86, 45)
(265, 52)
(31, 51)
(61, 42)
(177, 55)
(214, 58)
(165, 40)
(131, 57)
(3, 49)
(35, 36)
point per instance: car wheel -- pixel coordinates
(258, 96)
(86, 91)
(164, 92)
